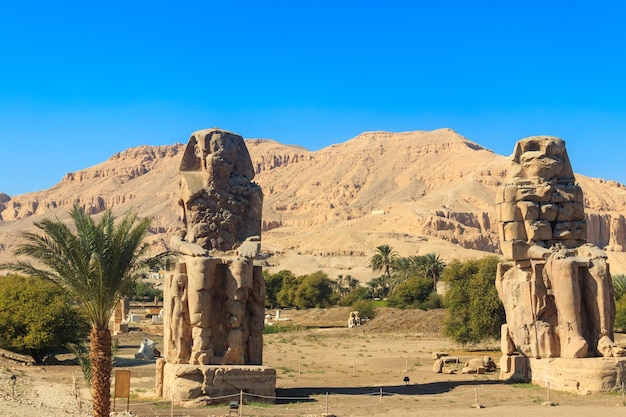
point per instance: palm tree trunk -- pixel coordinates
(100, 356)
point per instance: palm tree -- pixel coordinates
(619, 286)
(433, 267)
(383, 260)
(339, 287)
(96, 264)
(405, 269)
(377, 287)
(351, 282)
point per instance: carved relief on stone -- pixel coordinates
(555, 287)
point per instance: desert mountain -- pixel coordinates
(419, 191)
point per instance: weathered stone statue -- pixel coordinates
(556, 288)
(221, 209)
(214, 310)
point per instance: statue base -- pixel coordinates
(579, 376)
(215, 383)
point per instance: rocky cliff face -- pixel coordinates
(410, 186)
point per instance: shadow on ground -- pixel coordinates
(285, 395)
(121, 362)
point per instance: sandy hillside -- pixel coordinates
(420, 192)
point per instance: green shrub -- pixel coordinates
(366, 309)
(432, 302)
(315, 290)
(474, 312)
(411, 294)
(145, 291)
(37, 316)
(273, 285)
(356, 294)
(280, 328)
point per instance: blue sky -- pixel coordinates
(80, 81)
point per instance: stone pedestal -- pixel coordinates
(515, 368)
(581, 375)
(184, 382)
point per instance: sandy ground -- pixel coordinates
(340, 371)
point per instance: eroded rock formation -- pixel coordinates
(394, 186)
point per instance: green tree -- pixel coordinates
(343, 285)
(273, 285)
(377, 287)
(145, 291)
(474, 312)
(403, 270)
(287, 295)
(36, 316)
(366, 309)
(351, 282)
(96, 264)
(315, 290)
(383, 260)
(423, 266)
(356, 294)
(411, 294)
(339, 287)
(433, 267)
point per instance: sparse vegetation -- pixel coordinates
(283, 328)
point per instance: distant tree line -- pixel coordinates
(406, 282)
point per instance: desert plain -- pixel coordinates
(324, 368)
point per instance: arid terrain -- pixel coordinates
(321, 369)
(420, 192)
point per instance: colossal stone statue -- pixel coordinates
(214, 301)
(217, 295)
(556, 288)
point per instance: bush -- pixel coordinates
(273, 285)
(145, 291)
(432, 302)
(306, 291)
(411, 294)
(356, 294)
(37, 316)
(366, 309)
(283, 328)
(474, 312)
(315, 290)
(287, 295)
